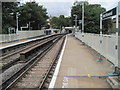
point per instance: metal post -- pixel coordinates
(75, 23)
(9, 33)
(17, 13)
(100, 57)
(29, 25)
(100, 24)
(17, 21)
(117, 27)
(83, 20)
(80, 21)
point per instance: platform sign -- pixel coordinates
(113, 12)
(109, 13)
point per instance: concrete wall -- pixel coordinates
(29, 34)
(21, 35)
(107, 48)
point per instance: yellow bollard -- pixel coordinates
(89, 75)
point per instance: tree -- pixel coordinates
(29, 13)
(33, 14)
(8, 15)
(55, 22)
(92, 16)
(61, 21)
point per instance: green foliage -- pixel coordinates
(55, 22)
(92, 16)
(30, 12)
(33, 13)
(8, 15)
(61, 21)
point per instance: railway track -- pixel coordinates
(11, 51)
(35, 73)
(14, 58)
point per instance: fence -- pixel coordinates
(20, 35)
(107, 49)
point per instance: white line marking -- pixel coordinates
(52, 83)
(23, 42)
(65, 82)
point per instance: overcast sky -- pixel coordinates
(62, 7)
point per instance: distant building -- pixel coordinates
(69, 29)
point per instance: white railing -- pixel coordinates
(20, 35)
(108, 45)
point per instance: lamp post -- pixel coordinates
(83, 19)
(75, 23)
(117, 30)
(80, 22)
(17, 14)
(17, 21)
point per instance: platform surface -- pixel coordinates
(13, 42)
(79, 68)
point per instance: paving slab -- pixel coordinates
(79, 67)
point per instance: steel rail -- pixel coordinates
(9, 82)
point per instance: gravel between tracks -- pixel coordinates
(35, 75)
(17, 55)
(9, 72)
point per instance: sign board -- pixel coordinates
(109, 13)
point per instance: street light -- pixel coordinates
(80, 22)
(83, 19)
(17, 14)
(75, 23)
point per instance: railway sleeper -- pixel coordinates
(32, 62)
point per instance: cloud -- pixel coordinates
(108, 4)
(58, 7)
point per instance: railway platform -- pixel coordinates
(77, 67)
(13, 43)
